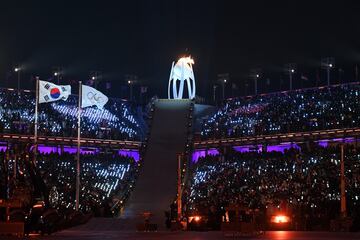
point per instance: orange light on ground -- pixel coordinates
(280, 219)
(38, 206)
(195, 218)
(34, 234)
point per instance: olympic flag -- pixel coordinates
(88, 96)
(91, 97)
(49, 92)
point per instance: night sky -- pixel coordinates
(144, 37)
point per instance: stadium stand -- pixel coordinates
(106, 181)
(305, 181)
(117, 121)
(294, 111)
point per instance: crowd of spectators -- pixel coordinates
(116, 121)
(293, 111)
(304, 183)
(106, 180)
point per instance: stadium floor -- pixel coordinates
(116, 229)
(276, 235)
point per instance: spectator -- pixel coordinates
(305, 182)
(116, 121)
(294, 111)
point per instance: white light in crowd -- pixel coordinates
(292, 70)
(257, 75)
(330, 65)
(55, 73)
(17, 69)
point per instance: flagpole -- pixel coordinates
(36, 119)
(179, 193)
(78, 150)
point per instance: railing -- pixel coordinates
(240, 141)
(279, 138)
(71, 141)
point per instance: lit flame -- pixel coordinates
(187, 60)
(280, 219)
(195, 218)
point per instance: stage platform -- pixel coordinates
(156, 186)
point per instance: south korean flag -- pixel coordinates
(49, 92)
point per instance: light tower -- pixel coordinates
(131, 80)
(96, 77)
(182, 71)
(255, 74)
(223, 78)
(57, 72)
(328, 63)
(290, 69)
(17, 70)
